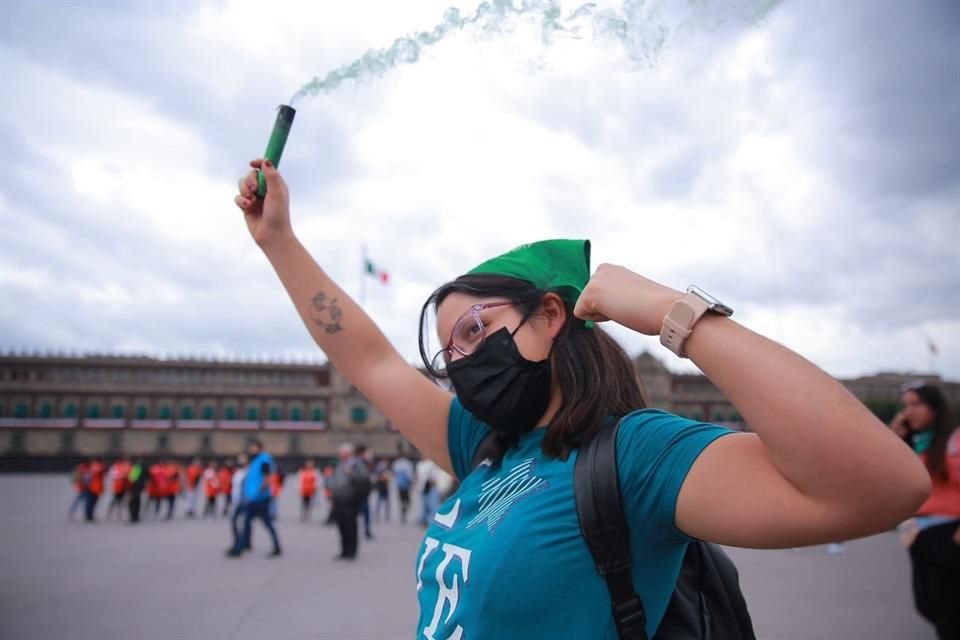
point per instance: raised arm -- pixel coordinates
(350, 339)
(819, 466)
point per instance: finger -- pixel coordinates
(275, 183)
(256, 163)
(247, 186)
(253, 183)
(593, 317)
(243, 202)
(582, 311)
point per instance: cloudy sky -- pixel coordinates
(805, 170)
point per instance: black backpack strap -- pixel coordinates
(596, 489)
(492, 447)
(488, 448)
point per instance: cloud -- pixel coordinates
(799, 170)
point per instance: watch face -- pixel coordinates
(715, 305)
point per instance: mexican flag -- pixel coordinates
(372, 270)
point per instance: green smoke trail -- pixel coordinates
(641, 27)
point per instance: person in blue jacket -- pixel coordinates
(255, 499)
(520, 343)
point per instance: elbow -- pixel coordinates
(914, 489)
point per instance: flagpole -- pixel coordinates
(363, 274)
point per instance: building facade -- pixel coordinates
(694, 396)
(58, 408)
(55, 409)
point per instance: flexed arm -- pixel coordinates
(819, 467)
(350, 339)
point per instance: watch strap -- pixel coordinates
(679, 323)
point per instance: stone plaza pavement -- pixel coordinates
(167, 580)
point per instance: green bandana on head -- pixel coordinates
(552, 265)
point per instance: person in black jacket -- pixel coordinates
(138, 480)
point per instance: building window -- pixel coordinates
(165, 413)
(186, 412)
(20, 410)
(230, 413)
(93, 411)
(70, 411)
(252, 413)
(296, 415)
(118, 411)
(317, 415)
(274, 413)
(208, 413)
(141, 412)
(46, 410)
(358, 415)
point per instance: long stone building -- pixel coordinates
(55, 409)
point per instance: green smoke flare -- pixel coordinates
(642, 27)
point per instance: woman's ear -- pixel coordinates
(554, 313)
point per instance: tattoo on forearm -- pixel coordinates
(326, 312)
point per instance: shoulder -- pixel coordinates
(656, 425)
(655, 450)
(649, 432)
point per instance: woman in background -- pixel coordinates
(933, 535)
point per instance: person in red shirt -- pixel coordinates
(192, 495)
(118, 473)
(156, 488)
(308, 488)
(927, 424)
(95, 488)
(211, 488)
(276, 486)
(225, 475)
(172, 472)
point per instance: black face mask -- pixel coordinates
(501, 387)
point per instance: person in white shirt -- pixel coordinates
(236, 495)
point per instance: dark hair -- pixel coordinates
(943, 425)
(597, 379)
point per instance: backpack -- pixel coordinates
(360, 480)
(351, 481)
(706, 604)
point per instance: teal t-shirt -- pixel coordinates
(504, 556)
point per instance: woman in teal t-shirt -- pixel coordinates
(520, 346)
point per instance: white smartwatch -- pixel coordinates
(684, 314)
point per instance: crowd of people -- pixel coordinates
(354, 492)
(164, 481)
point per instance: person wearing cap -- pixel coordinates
(522, 346)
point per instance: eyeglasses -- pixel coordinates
(467, 336)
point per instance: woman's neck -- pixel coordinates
(556, 400)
